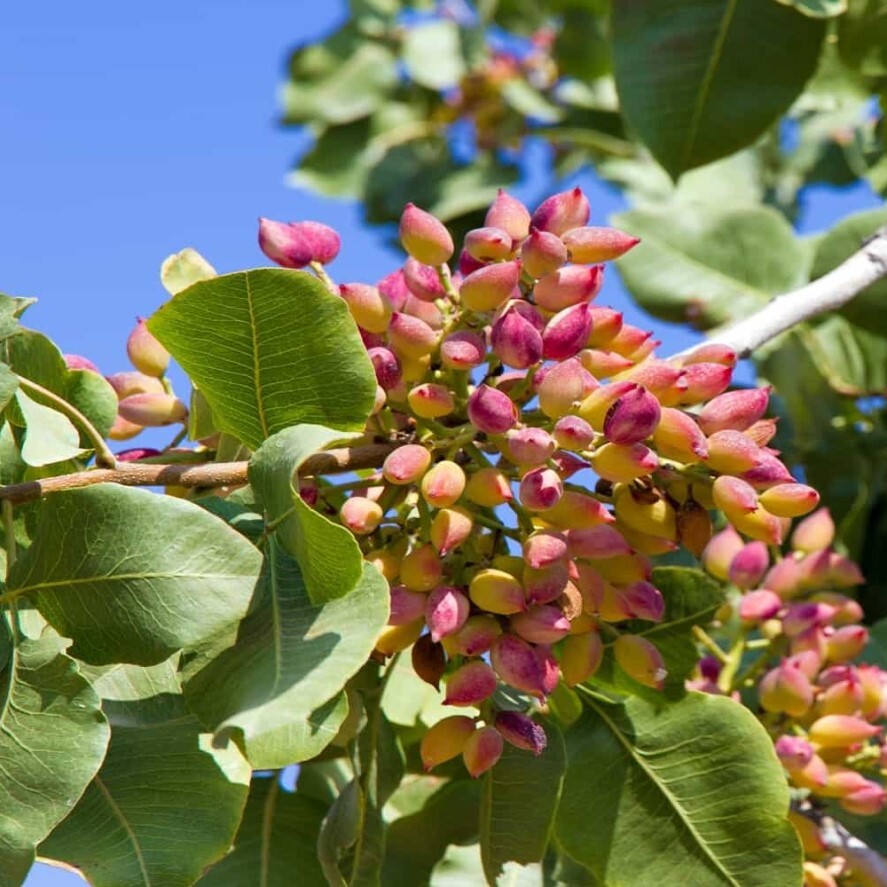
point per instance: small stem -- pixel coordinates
(9, 535)
(474, 451)
(523, 518)
(493, 524)
(446, 281)
(732, 663)
(103, 454)
(709, 643)
(180, 436)
(320, 273)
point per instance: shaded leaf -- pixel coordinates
(339, 832)
(701, 80)
(8, 385)
(93, 396)
(645, 799)
(862, 36)
(50, 436)
(432, 54)
(289, 659)
(518, 804)
(328, 554)
(132, 576)
(269, 349)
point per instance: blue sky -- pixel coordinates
(130, 131)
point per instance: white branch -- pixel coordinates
(869, 867)
(829, 292)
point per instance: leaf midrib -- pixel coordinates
(669, 797)
(124, 822)
(257, 369)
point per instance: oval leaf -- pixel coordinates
(701, 80)
(49, 435)
(690, 793)
(268, 349)
(132, 576)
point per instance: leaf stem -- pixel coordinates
(103, 454)
(709, 643)
(322, 276)
(9, 535)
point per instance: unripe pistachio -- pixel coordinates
(379, 400)
(573, 433)
(509, 214)
(570, 285)
(450, 528)
(595, 407)
(794, 753)
(488, 244)
(543, 624)
(597, 543)
(529, 446)
(633, 342)
(488, 287)
(134, 382)
(395, 638)
(406, 606)
(515, 340)
(386, 561)
(463, 350)
(757, 606)
(663, 380)
(544, 548)
(387, 367)
(836, 731)
(475, 637)
(790, 500)
(517, 664)
(152, 410)
(425, 237)
(760, 524)
(813, 844)
(78, 362)
(369, 308)
(624, 568)
(428, 660)
(705, 381)
(564, 386)
(470, 684)
(406, 464)
(762, 432)
(868, 800)
(749, 565)
(841, 698)
(482, 750)
(847, 610)
(621, 463)
(145, 352)
(711, 352)
(678, 437)
(562, 212)
(467, 263)
(136, 453)
(846, 643)
(446, 611)
(731, 452)
(814, 776)
(497, 592)
(431, 401)
(590, 245)
(491, 411)
(443, 484)
(566, 333)
(360, 515)
(581, 656)
(767, 472)
(604, 364)
(567, 464)
(542, 253)
(633, 417)
(694, 527)
(394, 287)
(607, 324)
(843, 572)
(422, 281)
(123, 430)
(489, 488)
(521, 731)
(656, 518)
(815, 532)
(640, 660)
(445, 740)
(643, 601)
(545, 585)
(297, 244)
(540, 489)
(411, 337)
(736, 410)
(786, 689)
(734, 497)
(644, 543)
(421, 569)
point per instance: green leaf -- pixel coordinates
(416, 843)
(269, 349)
(691, 793)
(290, 659)
(11, 308)
(94, 397)
(818, 8)
(867, 309)
(708, 266)
(339, 831)
(862, 36)
(132, 576)
(432, 54)
(167, 801)
(701, 80)
(53, 737)
(520, 797)
(183, 268)
(8, 385)
(50, 436)
(329, 556)
(853, 359)
(276, 842)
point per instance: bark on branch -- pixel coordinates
(865, 267)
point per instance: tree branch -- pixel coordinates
(213, 474)
(829, 292)
(869, 867)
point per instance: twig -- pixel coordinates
(829, 292)
(216, 474)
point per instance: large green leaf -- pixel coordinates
(328, 554)
(168, 799)
(432, 54)
(276, 843)
(53, 737)
(518, 804)
(290, 658)
(691, 793)
(707, 266)
(132, 576)
(49, 435)
(268, 349)
(700, 79)
(867, 309)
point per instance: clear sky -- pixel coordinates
(129, 131)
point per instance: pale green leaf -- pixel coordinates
(50, 436)
(328, 554)
(518, 804)
(183, 268)
(700, 80)
(290, 659)
(53, 737)
(691, 793)
(132, 576)
(432, 53)
(269, 349)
